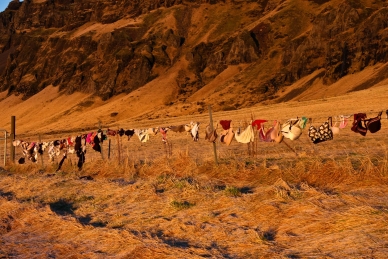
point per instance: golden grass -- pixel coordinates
(185, 207)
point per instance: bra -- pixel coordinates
(323, 133)
(291, 129)
(210, 135)
(361, 124)
(344, 121)
(226, 136)
(265, 136)
(335, 129)
(225, 124)
(276, 134)
(358, 122)
(245, 136)
(374, 124)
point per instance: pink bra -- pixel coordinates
(344, 121)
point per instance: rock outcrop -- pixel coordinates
(112, 47)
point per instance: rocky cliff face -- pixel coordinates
(112, 47)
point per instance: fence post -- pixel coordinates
(13, 136)
(211, 128)
(118, 147)
(41, 156)
(109, 149)
(102, 140)
(5, 147)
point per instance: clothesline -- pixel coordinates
(291, 129)
(315, 120)
(322, 119)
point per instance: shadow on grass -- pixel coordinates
(246, 190)
(268, 235)
(242, 190)
(87, 220)
(7, 195)
(62, 207)
(177, 243)
(123, 182)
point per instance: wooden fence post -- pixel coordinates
(102, 139)
(118, 148)
(13, 136)
(41, 156)
(5, 146)
(211, 128)
(109, 149)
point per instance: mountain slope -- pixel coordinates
(170, 58)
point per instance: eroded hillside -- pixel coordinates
(232, 54)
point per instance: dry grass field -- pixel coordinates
(298, 200)
(315, 206)
(292, 200)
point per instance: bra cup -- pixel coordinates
(279, 138)
(373, 127)
(274, 133)
(374, 124)
(292, 135)
(286, 134)
(213, 136)
(286, 131)
(295, 133)
(335, 130)
(188, 128)
(227, 136)
(343, 123)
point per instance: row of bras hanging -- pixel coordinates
(361, 124)
(276, 133)
(273, 134)
(292, 129)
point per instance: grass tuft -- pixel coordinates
(181, 205)
(232, 191)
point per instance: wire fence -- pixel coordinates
(120, 149)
